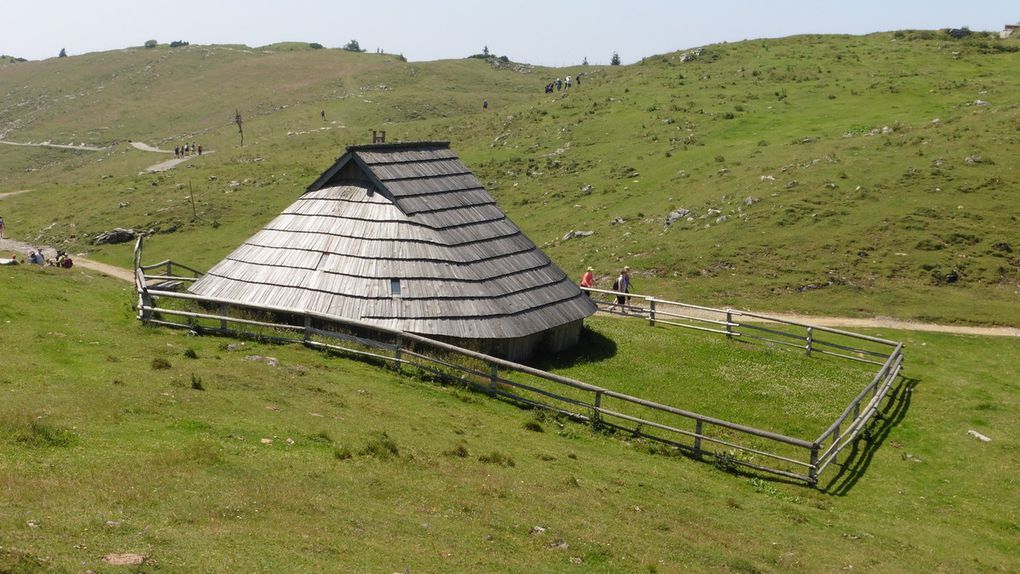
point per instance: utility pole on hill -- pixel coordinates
(239, 121)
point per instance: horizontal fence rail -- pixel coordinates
(728, 443)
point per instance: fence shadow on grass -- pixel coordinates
(592, 347)
(863, 450)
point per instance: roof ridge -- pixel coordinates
(399, 146)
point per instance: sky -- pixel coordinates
(543, 32)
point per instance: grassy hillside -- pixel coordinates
(827, 174)
(204, 455)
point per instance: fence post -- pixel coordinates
(596, 414)
(651, 312)
(813, 469)
(308, 328)
(223, 314)
(810, 339)
(169, 268)
(729, 323)
(697, 438)
(493, 378)
(398, 354)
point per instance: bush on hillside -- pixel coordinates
(615, 60)
(150, 43)
(178, 43)
(315, 46)
(353, 46)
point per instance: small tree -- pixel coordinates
(485, 51)
(63, 53)
(615, 60)
(315, 46)
(353, 46)
(150, 43)
(584, 62)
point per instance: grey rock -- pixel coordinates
(676, 215)
(576, 233)
(116, 235)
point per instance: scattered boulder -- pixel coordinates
(979, 436)
(124, 559)
(271, 361)
(974, 160)
(1003, 246)
(677, 215)
(619, 220)
(721, 219)
(116, 235)
(576, 233)
(981, 103)
(587, 189)
(537, 530)
(791, 184)
(751, 200)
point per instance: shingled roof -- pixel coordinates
(404, 236)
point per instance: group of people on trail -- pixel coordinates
(621, 286)
(187, 149)
(37, 257)
(560, 84)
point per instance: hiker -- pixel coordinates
(568, 82)
(177, 151)
(199, 149)
(185, 149)
(559, 84)
(549, 88)
(323, 114)
(588, 280)
(622, 285)
(578, 79)
(485, 104)
(2, 228)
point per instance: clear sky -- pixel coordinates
(547, 32)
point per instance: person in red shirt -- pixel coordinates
(588, 280)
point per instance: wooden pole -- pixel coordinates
(194, 212)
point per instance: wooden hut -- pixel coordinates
(405, 236)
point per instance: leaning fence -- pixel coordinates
(700, 436)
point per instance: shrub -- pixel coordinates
(496, 457)
(196, 383)
(459, 451)
(315, 46)
(342, 453)
(191, 354)
(178, 43)
(150, 43)
(352, 46)
(380, 446)
(533, 426)
(160, 364)
(615, 60)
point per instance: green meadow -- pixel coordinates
(212, 454)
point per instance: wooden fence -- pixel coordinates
(726, 443)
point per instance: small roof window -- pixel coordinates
(395, 287)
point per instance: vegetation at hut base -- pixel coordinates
(816, 178)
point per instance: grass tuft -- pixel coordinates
(497, 458)
(160, 364)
